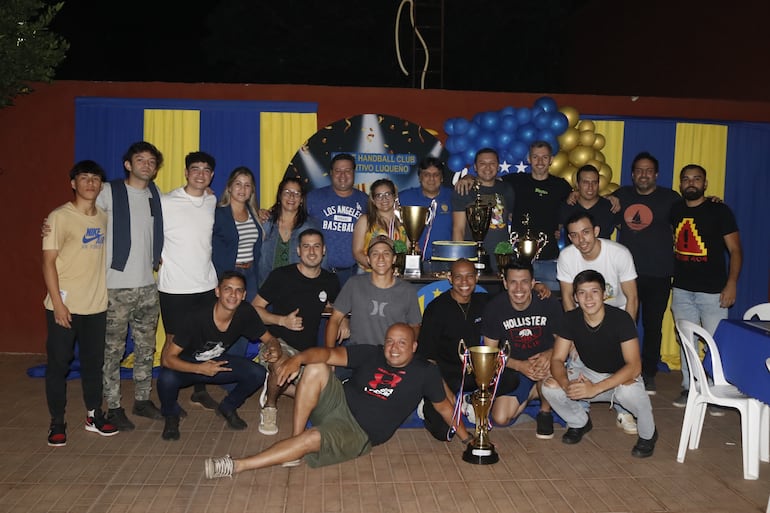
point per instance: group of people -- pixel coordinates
(230, 273)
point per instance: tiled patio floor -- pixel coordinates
(139, 472)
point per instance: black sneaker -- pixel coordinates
(575, 435)
(232, 418)
(649, 385)
(544, 425)
(203, 399)
(57, 435)
(147, 409)
(681, 401)
(645, 448)
(117, 417)
(97, 424)
(171, 428)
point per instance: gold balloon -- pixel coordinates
(599, 156)
(560, 161)
(569, 139)
(587, 124)
(569, 174)
(587, 138)
(599, 142)
(611, 187)
(603, 182)
(595, 163)
(605, 171)
(573, 116)
(580, 155)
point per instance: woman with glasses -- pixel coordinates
(288, 218)
(380, 220)
(237, 237)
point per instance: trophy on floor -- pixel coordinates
(414, 220)
(526, 247)
(485, 362)
(479, 216)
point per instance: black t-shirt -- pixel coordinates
(699, 245)
(501, 198)
(529, 331)
(381, 397)
(601, 212)
(287, 289)
(201, 340)
(444, 324)
(541, 200)
(645, 228)
(599, 348)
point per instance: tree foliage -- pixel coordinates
(28, 51)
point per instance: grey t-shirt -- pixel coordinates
(373, 310)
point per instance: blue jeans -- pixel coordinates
(633, 397)
(247, 376)
(545, 272)
(700, 308)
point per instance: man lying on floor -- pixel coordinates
(348, 419)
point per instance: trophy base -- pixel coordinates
(480, 456)
(412, 268)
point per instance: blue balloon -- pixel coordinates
(486, 139)
(559, 123)
(542, 120)
(523, 116)
(506, 156)
(504, 139)
(519, 151)
(461, 126)
(478, 119)
(507, 111)
(451, 144)
(449, 126)
(472, 132)
(456, 162)
(508, 124)
(555, 147)
(490, 121)
(546, 135)
(461, 143)
(546, 103)
(526, 133)
(470, 155)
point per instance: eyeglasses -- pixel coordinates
(291, 192)
(383, 195)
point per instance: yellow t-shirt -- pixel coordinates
(81, 261)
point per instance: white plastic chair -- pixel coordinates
(720, 393)
(762, 311)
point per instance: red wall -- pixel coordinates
(37, 139)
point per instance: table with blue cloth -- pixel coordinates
(744, 347)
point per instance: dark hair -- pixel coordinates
(644, 155)
(577, 216)
(519, 265)
(588, 168)
(343, 156)
(276, 209)
(199, 156)
(231, 274)
(541, 144)
(431, 162)
(87, 167)
(486, 150)
(309, 232)
(692, 166)
(589, 276)
(141, 147)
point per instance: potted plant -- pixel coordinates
(400, 248)
(503, 254)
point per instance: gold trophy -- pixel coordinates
(414, 220)
(479, 216)
(526, 247)
(485, 363)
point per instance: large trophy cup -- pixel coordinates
(526, 247)
(479, 216)
(414, 220)
(485, 363)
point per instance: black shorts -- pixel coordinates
(175, 307)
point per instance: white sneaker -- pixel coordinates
(292, 463)
(420, 409)
(627, 423)
(268, 421)
(263, 395)
(467, 409)
(219, 467)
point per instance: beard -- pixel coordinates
(693, 194)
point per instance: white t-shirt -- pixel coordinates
(138, 270)
(187, 227)
(614, 262)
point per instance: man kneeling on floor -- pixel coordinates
(196, 354)
(605, 338)
(386, 386)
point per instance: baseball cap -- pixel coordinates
(380, 239)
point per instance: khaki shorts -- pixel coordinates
(342, 438)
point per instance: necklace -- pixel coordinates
(465, 310)
(593, 329)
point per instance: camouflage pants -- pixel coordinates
(138, 307)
